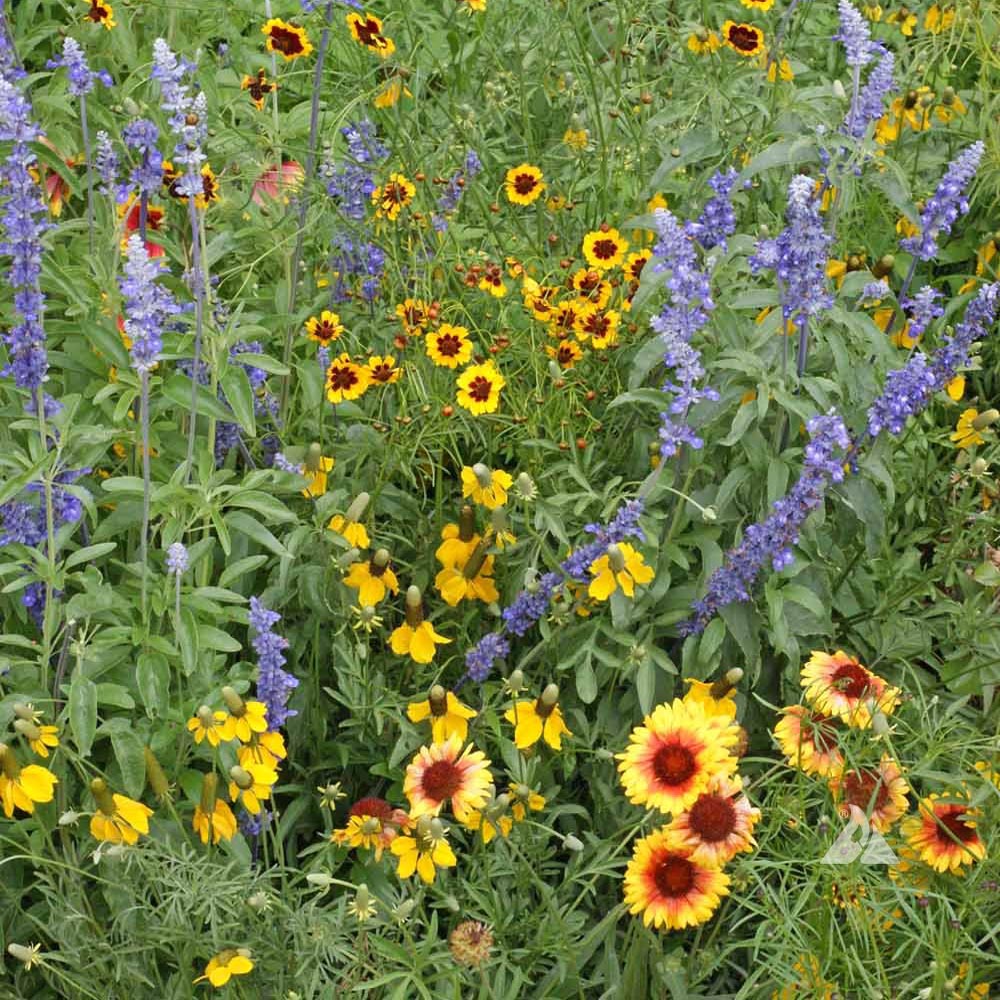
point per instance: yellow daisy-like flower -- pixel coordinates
(781, 69)
(416, 641)
(808, 982)
(524, 184)
(880, 793)
(634, 265)
(715, 697)
(938, 18)
(366, 29)
(22, 787)
(604, 248)
(373, 824)
(208, 725)
(100, 13)
(251, 784)
(538, 719)
(209, 185)
(258, 87)
(40, 738)
(476, 5)
(448, 716)
(118, 819)
(592, 286)
(263, 748)
(956, 388)
(873, 11)
(524, 799)
(479, 388)
(622, 567)
(213, 819)
(393, 197)
(468, 579)
(317, 477)
(346, 380)
(444, 772)
(566, 354)
(668, 886)
(488, 826)
(809, 741)
(244, 719)
(225, 965)
(904, 19)
(372, 579)
(944, 835)
(383, 370)
(449, 346)
(485, 486)
(413, 314)
(673, 756)
(325, 328)
(840, 686)
(353, 532)
(424, 852)
(576, 139)
(743, 39)
(600, 328)
(761, 5)
(719, 824)
(288, 40)
(392, 90)
(703, 43)
(966, 434)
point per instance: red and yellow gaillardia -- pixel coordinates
(444, 772)
(719, 824)
(945, 834)
(838, 685)
(879, 792)
(809, 741)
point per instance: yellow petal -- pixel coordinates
(417, 711)
(425, 868)
(602, 586)
(240, 966)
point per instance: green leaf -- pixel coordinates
(114, 695)
(240, 568)
(244, 523)
(261, 361)
(82, 705)
(153, 678)
(645, 685)
(90, 553)
(267, 506)
(784, 153)
(586, 681)
(178, 390)
(128, 752)
(239, 395)
(210, 637)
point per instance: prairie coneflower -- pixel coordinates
(392, 197)
(383, 370)
(524, 184)
(703, 43)
(904, 19)
(458, 541)
(366, 30)
(715, 697)
(944, 834)
(444, 772)
(251, 784)
(809, 741)
(673, 756)
(118, 819)
(317, 470)
(425, 851)
(392, 90)
(263, 748)
(479, 388)
(468, 578)
(244, 719)
(540, 719)
(744, 39)
(668, 886)
(524, 798)
(324, 328)
(22, 787)
(622, 567)
(447, 715)
(348, 525)
(208, 725)
(222, 967)
(719, 823)
(604, 248)
(372, 578)
(258, 87)
(486, 486)
(286, 39)
(938, 18)
(880, 793)
(40, 738)
(213, 819)
(346, 380)
(839, 685)
(100, 13)
(416, 637)
(449, 346)
(967, 430)
(372, 823)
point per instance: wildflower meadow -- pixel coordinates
(499, 499)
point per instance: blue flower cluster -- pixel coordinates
(717, 221)
(22, 522)
(148, 305)
(106, 163)
(854, 34)
(142, 136)
(923, 310)
(870, 102)
(274, 684)
(177, 560)
(188, 114)
(81, 76)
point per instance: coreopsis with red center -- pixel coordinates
(604, 248)
(444, 772)
(346, 380)
(524, 184)
(479, 388)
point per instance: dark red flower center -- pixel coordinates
(441, 780)
(449, 345)
(674, 876)
(597, 325)
(955, 828)
(713, 817)
(604, 249)
(565, 354)
(394, 194)
(259, 88)
(635, 271)
(342, 378)
(413, 315)
(382, 372)
(590, 282)
(852, 680)
(369, 33)
(525, 183)
(287, 41)
(325, 330)
(97, 13)
(480, 388)
(371, 806)
(673, 764)
(861, 788)
(744, 38)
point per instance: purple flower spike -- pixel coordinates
(274, 684)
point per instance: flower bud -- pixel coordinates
(615, 558)
(313, 456)
(27, 729)
(572, 843)
(358, 506)
(259, 901)
(525, 487)
(986, 419)
(381, 559)
(348, 559)
(26, 712)
(241, 779)
(102, 796)
(709, 515)
(26, 954)
(402, 912)
(233, 701)
(979, 467)
(155, 777)
(483, 475)
(515, 682)
(466, 523)
(319, 879)
(603, 753)
(883, 266)
(438, 698)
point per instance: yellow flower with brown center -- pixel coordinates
(538, 719)
(371, 578)
(592, 287)
(880, 793)
(22, 787)
(719, 823)
(904, 19)
(622, 567)
(324, 328)
(213, 819)
(635, 264)
(258, 87)
(458, 541)
(668, 886)
(600, 328)
(444, 772)
(100, 13)
(209, 185)
(448, 346)
(840, 686)
(744, 39)
(809, 741)
(938, 18)
(346, 380)
(416, 637)
(425, 851)
(468, 578)
(716, 697)
(208, 725)
(373, 824)
(118, 819)
(479, 388)
(970, 423)
(366, 29)
(413, 314)
(492, 281)
(563, 317)
(703, 43)
(383, 370)
(944, 834)
(672, 757)
(524, 184)
(604, 248)
(447, 715)
(286, 39)
(485, 486)
(222, 967)
(566, 354)
(393, 197)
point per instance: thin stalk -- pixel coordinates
(50, 539)
(146, 485)
(199, 319)
(143, 215)
(800, 368)
(90, 172)
(904, 289)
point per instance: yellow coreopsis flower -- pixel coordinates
(225, 965)
(703, 43)
(479, 388)
(447, 715)
(622, 567)
(539, 719)
(524, 184)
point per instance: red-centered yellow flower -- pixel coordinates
(383, 370)
(373, 824)
(325, 328)
(601, 328)
(251, 784)
(563, 317)
(118, 819)
(346, 380)
(424, 852)
(524, 799)
(413, 314)
(213, 819)
(809, 741)
(447, 715)
(288, 40)
(100, 13)
(880, 793)
(263, 748)
(604, 248)
(703, 43)
(668, 887)
(479, 388)
(540, 719)
(966, 434)
(444, 772)
(839, 685)
(225, 965)
(468, 579)
(673, 756)
(743, 39)
(621, 567)
(22, 787)
(635, 263)
(719, 824)
(209, 185)
(392, 197)
(258, 87)
(524, 184)
(366, 30)
(449, 346)
(592, 287)
(416, 641)
(208, 725)
(371, 578)
(492, 281)
(944, 834)
(485, 486)
(938, 18)
(317, 477)
(245, 718)
(760, 5)
(392, 90)
(565, 354)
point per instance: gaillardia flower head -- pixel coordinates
(944, 834)
(880, 793)
(445, 772)
(719, 824)
(288, 40)
(809, 741)
(840, 686)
